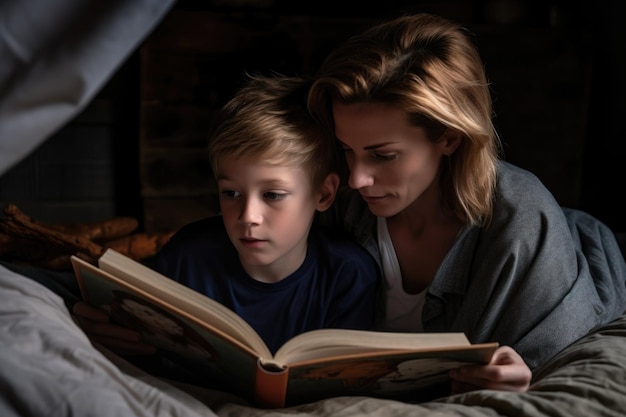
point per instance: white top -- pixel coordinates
(404, 311)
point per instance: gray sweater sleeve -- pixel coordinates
(537, 279)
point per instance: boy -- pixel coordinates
(275, 168)
(263, 258)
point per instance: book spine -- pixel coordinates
(270, 385)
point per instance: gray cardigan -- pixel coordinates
(537, 279)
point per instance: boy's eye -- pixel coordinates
(274, 196)
(230, 193)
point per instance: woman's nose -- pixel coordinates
(360, 176)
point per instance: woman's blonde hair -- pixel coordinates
(267, 120)
(429, 67)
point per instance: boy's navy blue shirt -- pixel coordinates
(335, 287)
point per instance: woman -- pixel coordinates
(466, 241)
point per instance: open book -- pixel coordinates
(215, 342)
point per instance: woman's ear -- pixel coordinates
(451, 140)
(328, 191)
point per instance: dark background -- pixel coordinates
(556, 70)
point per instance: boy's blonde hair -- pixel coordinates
(428, 67)
(267, 120)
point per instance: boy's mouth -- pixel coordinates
(251, 242)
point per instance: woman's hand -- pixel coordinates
(507, 371)
(97, 326)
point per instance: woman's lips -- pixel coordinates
(372, 199)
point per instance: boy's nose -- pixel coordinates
(250, 212)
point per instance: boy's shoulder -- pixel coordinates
(335, 243)
(342, 261)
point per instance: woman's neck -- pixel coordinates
(427, 212)
(422, 235)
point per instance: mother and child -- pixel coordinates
(450, 236)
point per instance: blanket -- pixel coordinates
(48, 367)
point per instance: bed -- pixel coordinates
(48, 367)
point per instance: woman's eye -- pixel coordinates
(274, 196)
(230, 193)
(345, 150)
(383, 157)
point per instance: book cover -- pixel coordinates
(213, 342)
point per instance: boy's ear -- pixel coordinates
(328, 192)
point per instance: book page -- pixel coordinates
(334, 342)
(201, 351)
(192, 302)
